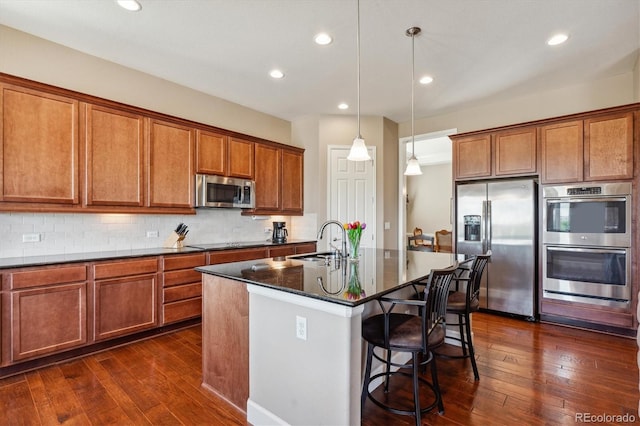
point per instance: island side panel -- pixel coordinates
(225, 339)
(294, 381)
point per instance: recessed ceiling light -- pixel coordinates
(130, 5)
(343, 106)
(557, 39)
(426, 79)
(276, 74)
(323, 39)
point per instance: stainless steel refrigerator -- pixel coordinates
(501, 216)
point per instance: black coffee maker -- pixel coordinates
(279, 232)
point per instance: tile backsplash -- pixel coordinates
(37, 234)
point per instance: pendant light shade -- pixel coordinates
(413, 167)
(358, 150)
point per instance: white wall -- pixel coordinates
(429, 196)
(316, 133)
(609, 92)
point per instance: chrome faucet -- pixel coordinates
(343, 252)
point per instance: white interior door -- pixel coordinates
(352, 189)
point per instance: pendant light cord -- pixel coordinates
(413, 83)
(358, 67)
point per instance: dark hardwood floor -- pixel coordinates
(529, 374)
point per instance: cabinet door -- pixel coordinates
(114, 143)
(241, 161)
(171, 153)
(268, 178)
(211, 153)
(124, 306)
(608, 147)
(47, 320)
(515, 152)
(472, 156)
(38, 147)
(292, 182)
(561, 151)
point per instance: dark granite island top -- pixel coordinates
(378, 272)
(281, 337)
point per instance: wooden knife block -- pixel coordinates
(173, 241)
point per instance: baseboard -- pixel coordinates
(258, 415)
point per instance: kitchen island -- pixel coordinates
(282, 336)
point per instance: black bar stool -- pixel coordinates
(417, 333)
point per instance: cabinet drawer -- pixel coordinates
(227, 256)
(182, 310)
(185, 276)
(125, 268)
(282, 251)
(306, 248)
(47, 276)
(181, 292)
(183, 261)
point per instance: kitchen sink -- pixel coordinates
(323, 256)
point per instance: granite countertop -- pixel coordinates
(378, 272)
(44, 260)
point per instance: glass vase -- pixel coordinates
(354, 243)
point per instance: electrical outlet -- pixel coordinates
(152, 234)
(301, 328)
(267, 230)
(31, 238)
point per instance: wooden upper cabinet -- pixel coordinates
(219, 154)
(608, 147)
(114, 147)
(279, 178)
(561, 150)
(292, 182)
(268, 177)
(211, 153)
(241, 158)
(472, 156)
(515, 152)
(171, 153)
(38, 147)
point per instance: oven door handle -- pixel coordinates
(587, 250)
(585, 200)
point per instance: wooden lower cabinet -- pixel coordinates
(45, 311)
(597, 317)
(128, 303)
(48, 320)
(50, 310)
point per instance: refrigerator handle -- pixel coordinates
(483, 224)
(488, 225)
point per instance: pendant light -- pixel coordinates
(413, 167)
(358, 150)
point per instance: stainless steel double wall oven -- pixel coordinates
(587, 243)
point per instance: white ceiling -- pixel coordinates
(477, 50)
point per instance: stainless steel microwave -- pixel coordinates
(224, 192)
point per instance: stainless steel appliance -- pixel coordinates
(501, 216)
(280, 232)
(221, 191)
(587, 243)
